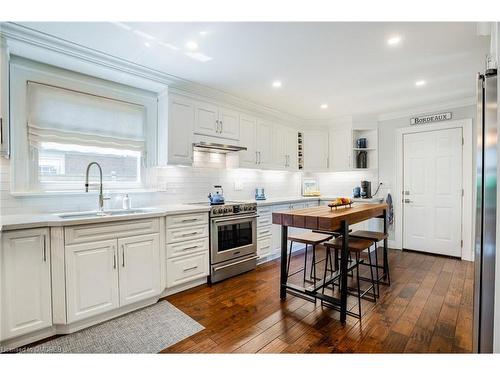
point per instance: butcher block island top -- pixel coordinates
(326, 218)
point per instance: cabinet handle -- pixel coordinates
(259, 157)
(256, 157)
(44, 248)
(123, 256)
(221, 127)
(189, 220)
(114, 257)
(327, 163)
(1, 130)
(216, 126)
(189, 234)
(191, 247)
(189, 269)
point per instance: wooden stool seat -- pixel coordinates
(374, 236)
(310, 238)
(355, 244)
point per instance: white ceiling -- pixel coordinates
(347, 65)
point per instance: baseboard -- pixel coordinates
(183, 287)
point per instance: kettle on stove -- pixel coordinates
(217, 197)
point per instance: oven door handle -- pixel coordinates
(236, 218)
(235, 263)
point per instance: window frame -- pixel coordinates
(24, 174)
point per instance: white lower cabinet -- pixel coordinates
(187, 250)
(184, 269)
(104, 275)
(91, 279)
(139, 271)
(26, 289)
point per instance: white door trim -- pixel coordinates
(467, 182)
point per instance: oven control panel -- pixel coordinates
(234, 209)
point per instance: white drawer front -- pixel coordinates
(264, 231)
(185, 269)
(185, 220)
(264, 220)
(264, 210)
(186, 233)
(264, 247)
(106, 231)
(187, 247)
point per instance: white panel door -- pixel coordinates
(264, 144)
(432, 185)
(26, 304)
(139, 263)
(340, 145)
(229, 124)
(248, 133)
(180, 131)
(91, 279)
(206, 119)
(291, 139)
(279, 152)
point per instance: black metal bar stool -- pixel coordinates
(376, 237)
(356, 246)
(308, 238)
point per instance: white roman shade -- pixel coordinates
(65, 116)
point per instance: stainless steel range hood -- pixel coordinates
(220, 148)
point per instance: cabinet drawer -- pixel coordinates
(264, 210)
(106, 231)
(188, 268)
(186, 233)
(185, 220)
(264, 231)
(187, 247)
(264, 220)
(264, 246)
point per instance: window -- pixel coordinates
(72, 120)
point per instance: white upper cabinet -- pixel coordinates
(229, 124)
(206, 119)
(264, 144)
(284, 148)
(26, 302)
(340, 149)
(4, 100)
(180, 130)
(248, 133)
(139, 276)
(315, 143)
(290, 141)
(216, 122)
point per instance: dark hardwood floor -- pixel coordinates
(427, 308)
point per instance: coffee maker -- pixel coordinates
(366, 189)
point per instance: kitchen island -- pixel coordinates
(325, 219)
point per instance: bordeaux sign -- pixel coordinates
(421, 120)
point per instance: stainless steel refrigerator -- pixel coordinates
(485, 241)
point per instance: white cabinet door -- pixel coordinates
(139, 264)
(206, 119)
(340, 150)
(91, 279)
(248, 133)
(291, 137)
(4, 99)
(264, 144)
(279, 150)
(315, 150)
(26, 304)
(180, 131)
(229, 124)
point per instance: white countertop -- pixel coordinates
(26, 221)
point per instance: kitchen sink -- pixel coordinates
(105, 213)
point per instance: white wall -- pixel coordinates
(334, 184)
(387, 146)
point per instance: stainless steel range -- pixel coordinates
(233, 239)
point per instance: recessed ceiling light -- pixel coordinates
(203, 33)
(324, 106)
(147, 44)
(277, 84)
(393, 40)
(198, 56)
(420, 83)
(192, 45)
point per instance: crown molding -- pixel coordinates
(422, 110)
(23, 41)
